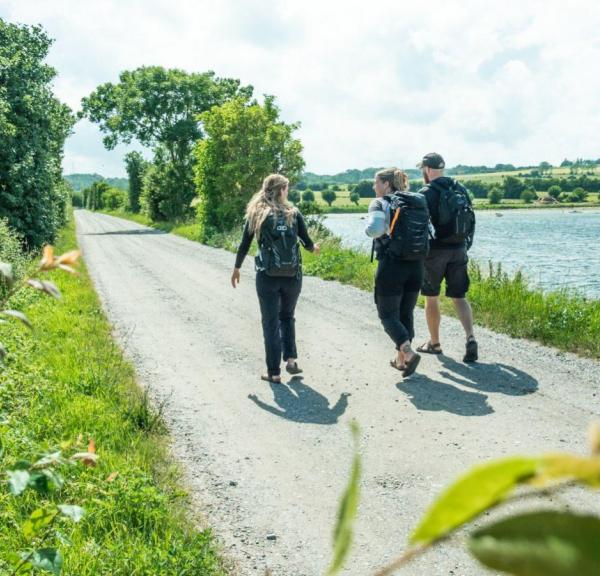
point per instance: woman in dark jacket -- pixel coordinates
(277, 226)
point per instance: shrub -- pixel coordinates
(495, 194)
(528, 195)
(329, 196)
(554, 191)
(11, 252)
(308, 196)
(294, 196)
(114, 199)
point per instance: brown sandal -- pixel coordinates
(429, 348)
(394, 364)
(411, 365)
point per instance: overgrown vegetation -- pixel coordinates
(33, 129)
(65, 387)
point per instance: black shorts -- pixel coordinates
(448, 264)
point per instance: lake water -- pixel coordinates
(553, 248)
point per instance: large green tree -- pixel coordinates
(159, 108)
(245, 142)
(33, 129)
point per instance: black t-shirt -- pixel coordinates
(432, 195)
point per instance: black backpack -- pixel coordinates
(409, 226)
(456, 221)
(279, 253)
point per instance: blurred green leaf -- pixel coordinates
(18, 316)
(17, 481)
(6, 273)
(38, 519)
(540, 544)
(73, 512)
(3, 352)
(342, 537)
(50, 459)
(473, 493)
(45, 286)
(39, 482)
(568, 466)
(48, 559)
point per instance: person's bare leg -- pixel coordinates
(400, 359)
(465, 315)
(434, 318)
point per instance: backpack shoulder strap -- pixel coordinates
(397, 209)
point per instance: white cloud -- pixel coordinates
(375, 83)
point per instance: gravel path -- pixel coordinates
(266, 464)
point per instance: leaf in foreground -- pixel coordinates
(540, 544)
(48, 559)
(342, 537)
(38, 519)
(73, 512)
(18, 316)
(472, 494)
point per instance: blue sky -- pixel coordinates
(372, 83)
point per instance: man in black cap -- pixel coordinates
(452, 228)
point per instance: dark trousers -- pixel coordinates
(277, 298)
(397, 286)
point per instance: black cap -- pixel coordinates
(432, 160)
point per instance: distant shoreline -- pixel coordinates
(363, 209)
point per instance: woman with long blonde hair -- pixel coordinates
(277, 226)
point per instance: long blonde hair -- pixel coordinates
(396, 178)
(268, 200)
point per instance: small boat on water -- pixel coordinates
(574, 212)
(499, 214)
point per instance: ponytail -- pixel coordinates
(396, 178)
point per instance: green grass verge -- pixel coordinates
(501, 302)
(67, 382)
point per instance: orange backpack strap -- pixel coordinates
(394, 220)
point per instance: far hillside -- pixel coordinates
(571, 183)
(81, 181)
(544, 169)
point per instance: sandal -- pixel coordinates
(429, 348)
(411, 365)
(394, 364)
(293, 368)
(272, 379)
